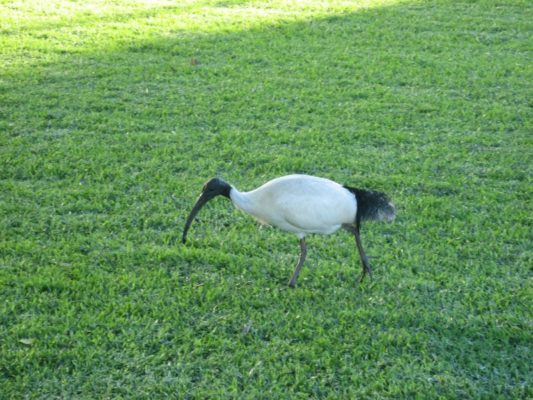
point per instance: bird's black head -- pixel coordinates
(214, 187)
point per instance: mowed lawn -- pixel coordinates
(109, 110)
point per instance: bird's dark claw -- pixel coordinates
(367, 270)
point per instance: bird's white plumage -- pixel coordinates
(300, 204)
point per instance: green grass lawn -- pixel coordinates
(108, 109)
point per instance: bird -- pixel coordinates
(303, 204)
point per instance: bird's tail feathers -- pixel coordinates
(372, 205)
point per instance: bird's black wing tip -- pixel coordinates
(372, 205)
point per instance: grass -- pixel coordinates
(107, 109)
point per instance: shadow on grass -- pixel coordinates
(326, 90)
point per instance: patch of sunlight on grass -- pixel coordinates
(55, 28)
(237, 15)
(24, 13)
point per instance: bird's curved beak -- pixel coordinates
(202, 200)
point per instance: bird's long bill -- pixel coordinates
(202, 200)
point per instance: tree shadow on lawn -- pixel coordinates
(342, 93)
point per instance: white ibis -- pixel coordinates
(304, 204)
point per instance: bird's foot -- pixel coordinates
(367, 270)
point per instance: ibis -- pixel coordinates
(304, 204)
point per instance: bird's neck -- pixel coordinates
(242, 200)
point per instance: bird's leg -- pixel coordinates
(303, 253)
(367, 270)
